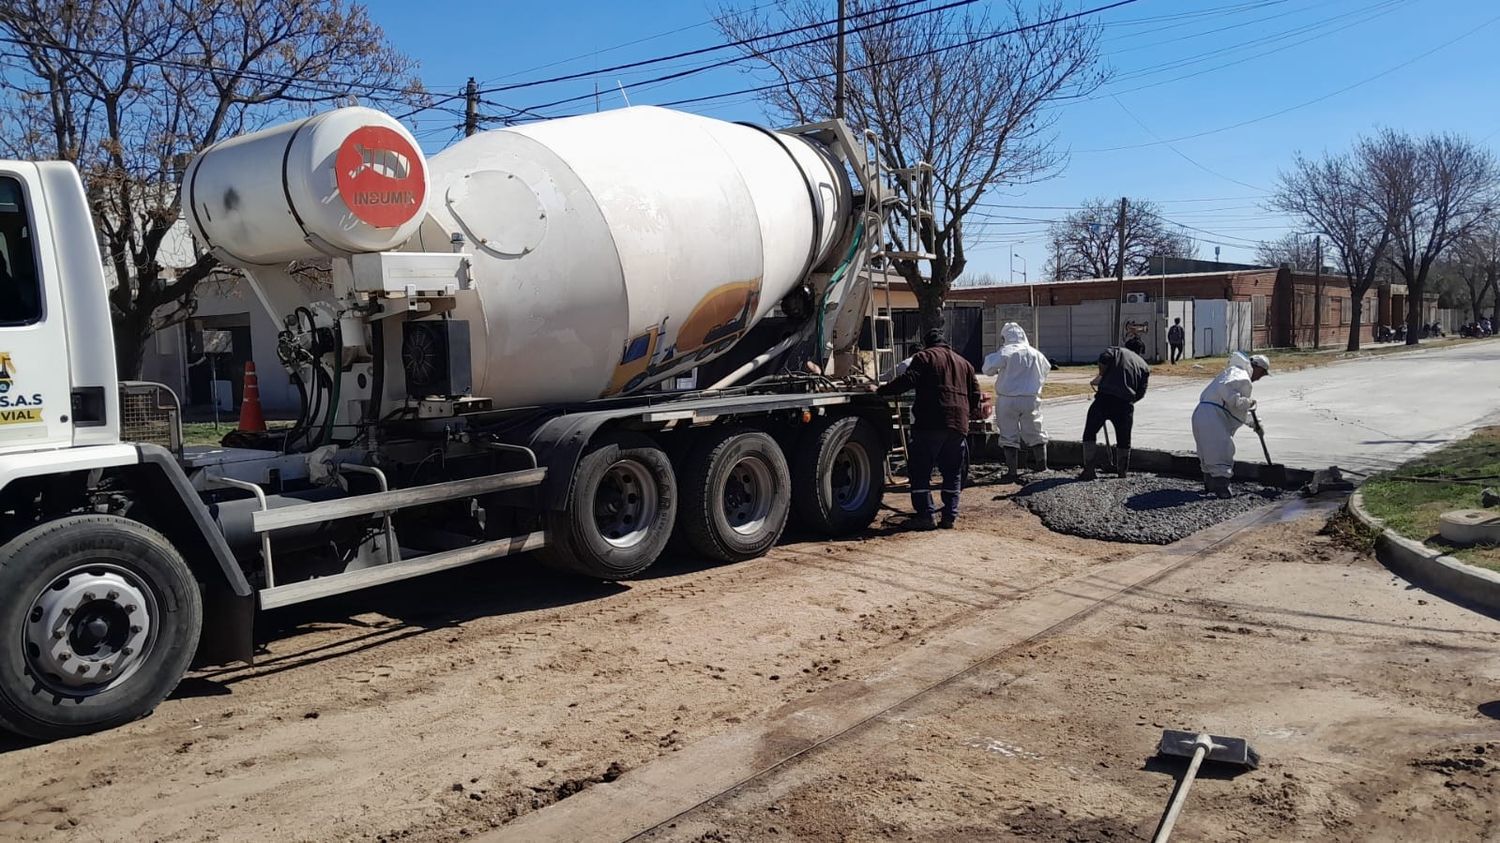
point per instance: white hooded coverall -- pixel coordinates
(1019, 370)
(1224, 405)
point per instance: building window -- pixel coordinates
(20, 288)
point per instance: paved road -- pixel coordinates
(1366, 415)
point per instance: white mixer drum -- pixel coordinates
(345, 181)
(614, 250)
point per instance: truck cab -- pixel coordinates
(57, 368)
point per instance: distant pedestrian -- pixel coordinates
(1176, 338)
(1020, 371)
(947, 399)
(1121, 383)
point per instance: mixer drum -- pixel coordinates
(614, 250)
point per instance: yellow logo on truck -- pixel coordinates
(15, 407)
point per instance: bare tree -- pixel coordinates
(1441, 187)
(1475, 261)
(128, 90)
(1338, 197)
(1295, 250)
(1086, 243)
(941, 88)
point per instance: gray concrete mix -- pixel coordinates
(1367, 415)
(1140, 508)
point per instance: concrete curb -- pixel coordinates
(1422, 566)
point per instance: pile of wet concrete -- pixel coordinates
(1139, 509)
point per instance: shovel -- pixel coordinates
(1274, 474)
(1235, 752)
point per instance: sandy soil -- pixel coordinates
(430, 710)
(442, 709)
(1375, 708)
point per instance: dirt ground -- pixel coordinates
(1375, 709)
(448, 707)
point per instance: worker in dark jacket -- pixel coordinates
(947, 398)
(1121, 382)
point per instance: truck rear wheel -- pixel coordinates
(736, 495)
(620, 511)
(838, 478)
(101, 617)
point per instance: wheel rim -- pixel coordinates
(89, 629)
(748, 492)
(625, 504)
(849, 477)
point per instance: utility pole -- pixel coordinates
(471, 108)
(1318, 291)
(838, 85)
(1120, 270)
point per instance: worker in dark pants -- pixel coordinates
(1121, 382)
(1176, 338)
(947, 398)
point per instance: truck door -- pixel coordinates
(34, 389)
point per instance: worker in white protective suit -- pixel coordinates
(1020, 370)
(1223, 407)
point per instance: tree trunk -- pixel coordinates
(1413, 314)
(1356, 314)
(1491, 277)
(929, 312)
(130, 343)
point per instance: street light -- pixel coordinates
(1024, 278)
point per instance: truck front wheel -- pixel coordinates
(99, 619)
(620, 511)
(735, 495)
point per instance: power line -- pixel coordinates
(204, 66)
(935, 51)
(1183, 155)
(743, 42)
(621, 46)
(737, 59)
(1314, 101)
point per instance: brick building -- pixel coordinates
(1284, 303)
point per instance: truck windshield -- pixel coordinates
(20, 289)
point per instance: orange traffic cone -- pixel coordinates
(251, 418)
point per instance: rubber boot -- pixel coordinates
(1219, 486)
(1122, 462)
(1088, 461)
(1039, 457)
(1012, 464)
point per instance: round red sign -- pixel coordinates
(381, 178)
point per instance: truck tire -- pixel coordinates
(620, 511)
(102, 618)
(735, 495)
(838, 478)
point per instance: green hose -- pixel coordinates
(838, 276)
(333, 405)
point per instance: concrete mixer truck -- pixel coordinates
(489, 370)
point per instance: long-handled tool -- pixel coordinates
(1198, 746)
(1274, 474)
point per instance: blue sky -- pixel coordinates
(1243, 62)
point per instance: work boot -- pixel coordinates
(1088, 461)
(1219, 486)
(1039, 457)
(1012, 464)
(1122, 462)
